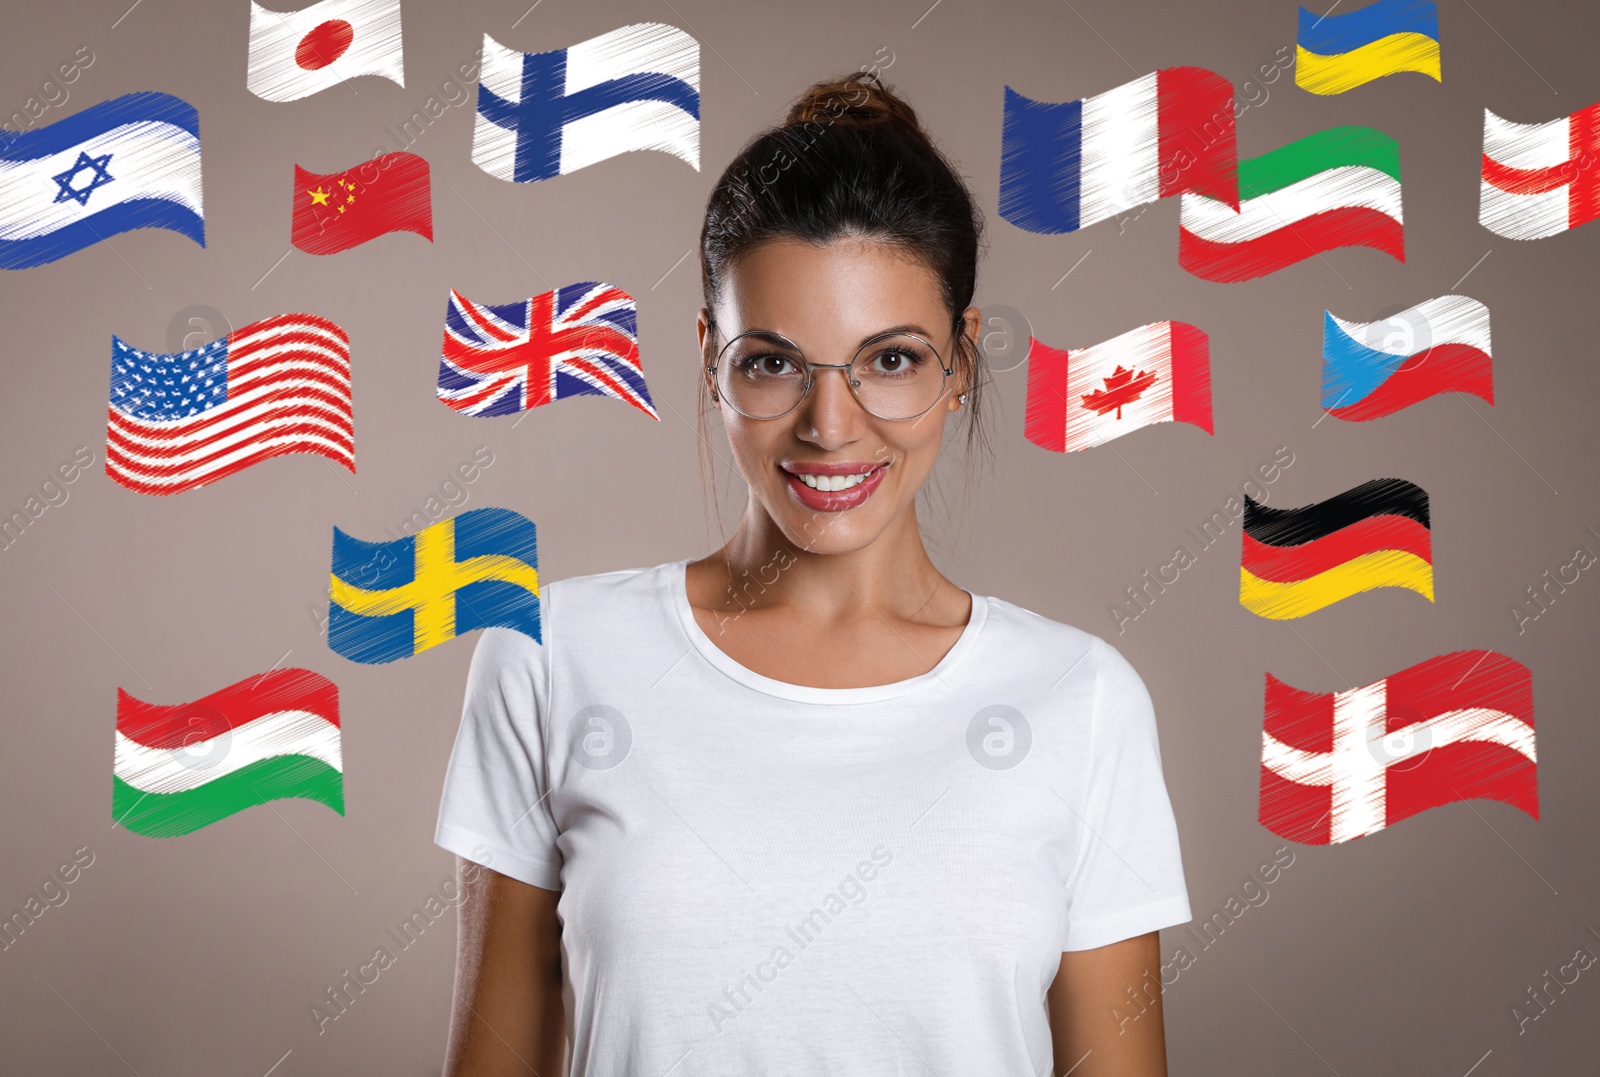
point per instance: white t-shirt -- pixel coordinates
(759, 877)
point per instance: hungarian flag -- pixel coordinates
(1336, 766)
(1335, 188)
(1540, 179)
(294, 54)
(1082, 397)
(270, 736)
(335, 212)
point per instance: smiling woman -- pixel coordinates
(686, 760)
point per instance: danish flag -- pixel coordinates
(1336, 766)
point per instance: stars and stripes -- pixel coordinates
(574, 341)
(180, 421)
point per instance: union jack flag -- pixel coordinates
(574, 341)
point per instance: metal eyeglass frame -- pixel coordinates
(805, 391)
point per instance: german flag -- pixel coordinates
(1296, 561)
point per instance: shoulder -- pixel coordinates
(567, 606)
(1080, 655)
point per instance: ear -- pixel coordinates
(705, 340)
(971, 327)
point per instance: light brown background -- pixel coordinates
(1401, 953)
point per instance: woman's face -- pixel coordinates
(830, 299)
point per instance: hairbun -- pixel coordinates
(859, 98)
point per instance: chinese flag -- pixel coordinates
(335, 212)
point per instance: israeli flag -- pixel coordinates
(131, 162)
(543, 114)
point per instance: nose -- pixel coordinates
(830, 410)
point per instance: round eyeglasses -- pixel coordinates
(764, 375)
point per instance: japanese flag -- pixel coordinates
(295, 54)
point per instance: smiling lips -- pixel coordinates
(832, 487)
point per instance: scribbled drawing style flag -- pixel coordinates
(1336, 188)
(180, 421)
(294, 54)
(1540, 179)
(1297, 561)
(544, 114)
(390, 193)
(1336, 766)
(574, 341)
(271, 736)
(1082, 397)
(395, 599)
(1336, 53)
(1373, 369)
(131, 162)
(1065, 166)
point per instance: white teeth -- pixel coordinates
(831, 482)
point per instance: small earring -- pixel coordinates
(962, 399)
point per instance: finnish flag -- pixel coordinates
(131, 162)
(543, 114)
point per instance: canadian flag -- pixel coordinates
(294, 54)
(1540, 179)
(1336, 766)
(1082, 397)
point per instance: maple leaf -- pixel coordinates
(1122, 387)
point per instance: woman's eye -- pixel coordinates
(894, 362)
(765, 365)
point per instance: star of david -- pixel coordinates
(100, 177)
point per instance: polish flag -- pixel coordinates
(294, 54)
(1336, 766)
(1082, 397)
(1540, 179)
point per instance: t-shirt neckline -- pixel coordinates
(675, 582)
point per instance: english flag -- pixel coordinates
(1082, 397)
(1336, 766)
(1540, 179)
(390, 193)
(294, 54)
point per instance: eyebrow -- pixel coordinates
(916, 330)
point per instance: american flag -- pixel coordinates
(574, 341)
(278, 386)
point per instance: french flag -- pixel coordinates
(1069, 165)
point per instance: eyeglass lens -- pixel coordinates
(894, 377)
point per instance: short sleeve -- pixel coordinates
(1128, 876)
(494, 809)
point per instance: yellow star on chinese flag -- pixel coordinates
(319, 197)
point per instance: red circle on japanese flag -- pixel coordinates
(324, 44)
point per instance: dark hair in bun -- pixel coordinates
(851, 159)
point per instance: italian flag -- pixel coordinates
(179, 768)
(1336, 188)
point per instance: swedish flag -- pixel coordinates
(393, 599)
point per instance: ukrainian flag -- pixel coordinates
(393, 599)
(1340, 52)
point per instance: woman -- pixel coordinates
(805, 806)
